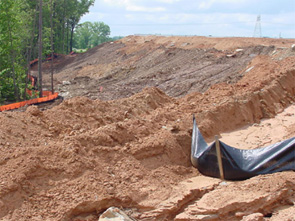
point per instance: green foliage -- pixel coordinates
(4, 85)
(115, 38)
(19, 37)
(83, 35)
(11, 48)
(88, 35)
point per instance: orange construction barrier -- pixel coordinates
(49, 96)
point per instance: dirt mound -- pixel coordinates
(79, 158)
(81, 139)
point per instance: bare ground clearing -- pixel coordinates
(122, 135)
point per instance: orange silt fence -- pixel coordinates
(48, 96)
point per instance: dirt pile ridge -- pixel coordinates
(79, 158)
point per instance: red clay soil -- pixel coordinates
(77, 159)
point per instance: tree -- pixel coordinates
(13, 36)
(77, 10)
(89, 34)
(101, 33)
(40, 50)
(83, 35)
(52, 46)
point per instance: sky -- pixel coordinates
(217, 18)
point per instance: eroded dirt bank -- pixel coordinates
(77, 159)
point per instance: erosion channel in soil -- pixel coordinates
(122, 135)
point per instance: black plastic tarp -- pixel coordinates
(239, 164)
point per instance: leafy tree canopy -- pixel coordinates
(88, 35)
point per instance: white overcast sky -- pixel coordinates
(195, 17)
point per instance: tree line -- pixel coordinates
(20, 32)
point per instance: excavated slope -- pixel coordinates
(176, 65)
(77, 159)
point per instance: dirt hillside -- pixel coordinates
(122, 135)
(176, 65)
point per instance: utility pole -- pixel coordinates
(40, 51)
(257, 30)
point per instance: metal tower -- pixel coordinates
(257, 30)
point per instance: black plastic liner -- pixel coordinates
(238, 164)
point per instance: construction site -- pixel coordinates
(122, 134)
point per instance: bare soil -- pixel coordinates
(176, 65)
(122, 135)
